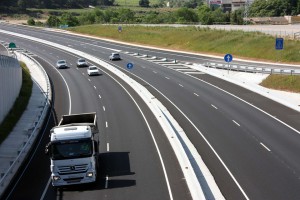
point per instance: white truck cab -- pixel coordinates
(73, 150)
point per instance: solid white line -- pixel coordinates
(180, 85)
(95, 87)
(265, 146)
(236, 123)
(196, 94)
(107, 147)
(106, 182)
(214, 106)
(103, 108)
(106, 124)
(45, 190)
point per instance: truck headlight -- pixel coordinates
(89, 174)
(56, 178)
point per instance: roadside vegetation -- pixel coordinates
(282, 82)
(19, 106)
(240, 44)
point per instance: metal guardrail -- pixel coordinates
(252, 69)
(32, 132)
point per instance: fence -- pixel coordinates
(10, 83)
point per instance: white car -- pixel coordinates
(61, 64)
(93, 70)
(81, 62)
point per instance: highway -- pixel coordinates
(248, 142)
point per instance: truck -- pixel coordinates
(74, 150)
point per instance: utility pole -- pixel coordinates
(246, 12)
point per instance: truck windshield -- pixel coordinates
(71, 149)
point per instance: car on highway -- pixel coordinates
(93, 70)
(60, 64)
(81, 62)
(115, 56)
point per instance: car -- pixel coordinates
(93, 70)
(81, 62)
(61, 64)
(115, 56)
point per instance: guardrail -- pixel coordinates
(33, 129)
(252, 69)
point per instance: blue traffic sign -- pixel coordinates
(129, 66)
(279, 44)
(228, 57)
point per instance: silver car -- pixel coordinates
(81, 62)
(60, 64)
(115, 56)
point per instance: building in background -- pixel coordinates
(228, 5)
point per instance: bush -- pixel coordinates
(31, 22)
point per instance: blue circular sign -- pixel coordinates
(228, 57)
(129, 66)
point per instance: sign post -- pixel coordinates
(228, 58)
(279, 45)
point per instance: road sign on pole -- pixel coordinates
(12, 45)
(129, 66)
(228, 58)
(279, 44)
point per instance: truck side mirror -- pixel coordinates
(47, 148)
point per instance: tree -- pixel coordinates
(205, 15)
(144, 3)
(186, 15)
(69, 19)
(270, 8)
(53, 21)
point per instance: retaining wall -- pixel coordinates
(10, 83)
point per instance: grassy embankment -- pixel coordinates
(19, 106)
(247, 45)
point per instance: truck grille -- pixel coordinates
(72, 169)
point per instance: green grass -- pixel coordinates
(19, 106)
(249, 45)
(288, 83)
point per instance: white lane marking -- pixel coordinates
(106, 124)
(154, 72)
(236, 123)
(45, 190)
(265, 147)
(95, 87)
(180, 85)
(103, 108)
(214, 106)
(107, 147)
(106, 182)
(167, 77)
(89, 79)
(99, 96)
(196, 94)
(82, 73)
